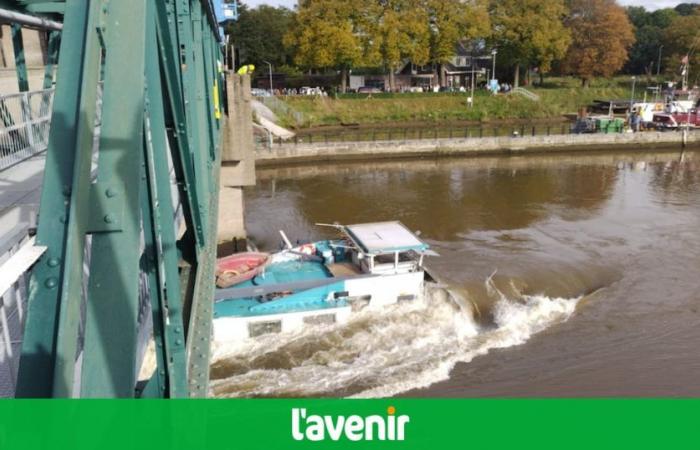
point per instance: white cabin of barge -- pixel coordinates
(386, 248)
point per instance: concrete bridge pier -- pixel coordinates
(238, 164)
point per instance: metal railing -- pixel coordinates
(25, 119)
(13, 302)
(262, 141)
(527, 94)
(279, 107)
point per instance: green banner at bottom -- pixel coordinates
(347, 424)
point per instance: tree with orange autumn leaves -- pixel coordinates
(602, 36)
(584, 38)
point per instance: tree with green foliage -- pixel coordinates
(649, 31)
(529, 32)
(601, 38)
(681, 39)
(258, 35)
(330, 34)
(399, 31)
(686, 9)
(451, 21)
(644, 55)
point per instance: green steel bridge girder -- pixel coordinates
(155, 63)
(45, 8)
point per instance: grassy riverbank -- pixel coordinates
(558, 96)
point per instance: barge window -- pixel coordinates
(259, 328)
(321, 319)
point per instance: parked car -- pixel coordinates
(255, 92)
(369, 90)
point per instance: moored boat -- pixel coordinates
(369, 266)
(239, 267)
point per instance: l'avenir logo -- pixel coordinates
(313, 427)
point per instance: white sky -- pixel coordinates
(649, 4)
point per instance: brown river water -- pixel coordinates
(566, 275)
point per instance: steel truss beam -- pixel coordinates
(155, 62)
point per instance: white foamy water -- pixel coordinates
(404, 347)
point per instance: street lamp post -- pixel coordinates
(473, 85)
(634, 85)
(270, 72)
(494, 52)
(658, 66)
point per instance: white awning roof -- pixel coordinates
(385, 237)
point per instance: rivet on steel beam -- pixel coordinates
(178, 329)
(53, 262)
(111, 192)
(51, 283)
(179, 342)
(109, 218)
(62, 219)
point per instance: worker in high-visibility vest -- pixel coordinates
(245, 70)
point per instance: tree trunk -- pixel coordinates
(392, 79)
(441, 72)
(516, 76)
(527, 76)
(585, 82)
(343, 80)
(541, 78)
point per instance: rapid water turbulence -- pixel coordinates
(566, 275)
(408, 346)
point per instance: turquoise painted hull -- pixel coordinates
(284, 274)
